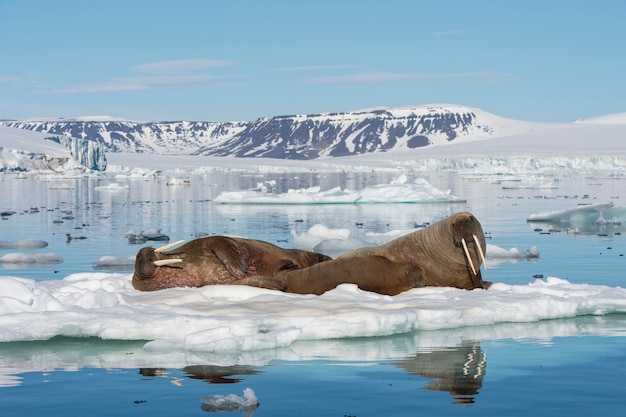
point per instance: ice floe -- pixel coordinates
(398, 191)
(239, 318)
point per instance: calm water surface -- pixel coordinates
(557, 367)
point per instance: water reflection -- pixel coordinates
(453, 361)
(213, 374)
(459, 371)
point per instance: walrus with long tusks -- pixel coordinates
(445, 254)
(218, 260)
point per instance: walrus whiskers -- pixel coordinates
(168, 246)
(467, 255)
(480, 251)
(163, 262)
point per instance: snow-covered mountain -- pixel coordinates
(289, 137)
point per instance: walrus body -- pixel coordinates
(445, 254)
(218, 260)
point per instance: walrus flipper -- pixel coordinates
(263, 281)
(233, 256)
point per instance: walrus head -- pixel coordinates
(149, 259)
(467, 231)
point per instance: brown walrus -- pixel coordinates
(445, 254)
(218, 260)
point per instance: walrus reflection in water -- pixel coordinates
(445, 254)
(218, 260)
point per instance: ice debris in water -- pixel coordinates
(231, 402)
(154, 235)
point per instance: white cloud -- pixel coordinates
(185, 73)
(148, 83)
(6, 78)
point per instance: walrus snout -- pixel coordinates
(464, 227)
(467, 231)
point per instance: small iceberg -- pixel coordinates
(20, 259)
(23, 244)
(111, 263)
(232, 402)
(153, 235)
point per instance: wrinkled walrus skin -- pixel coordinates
(219, 260)
(433, 256)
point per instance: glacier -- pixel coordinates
(22, 150)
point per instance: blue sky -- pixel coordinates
(548, 60)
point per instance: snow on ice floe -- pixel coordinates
(240, 318)
(398, 191)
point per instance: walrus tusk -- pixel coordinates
(480, 251)
(162, 262)
(469, 259)
(169, 245)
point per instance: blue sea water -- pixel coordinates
(571, 366)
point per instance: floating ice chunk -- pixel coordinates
(497, 255)
(226, 318)
(154, 234)
(178, 181)
(311, 195)
(114, 186)
(18, 258)
(111, 263)
(582, 219)
(23, 244)
(145, 235)
(232, 402)
(421, 191)
(590, 211)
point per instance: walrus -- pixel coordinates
(445, 254)
(217, 260)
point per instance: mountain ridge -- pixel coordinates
(299, 137)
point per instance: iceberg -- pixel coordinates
(22, 150)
